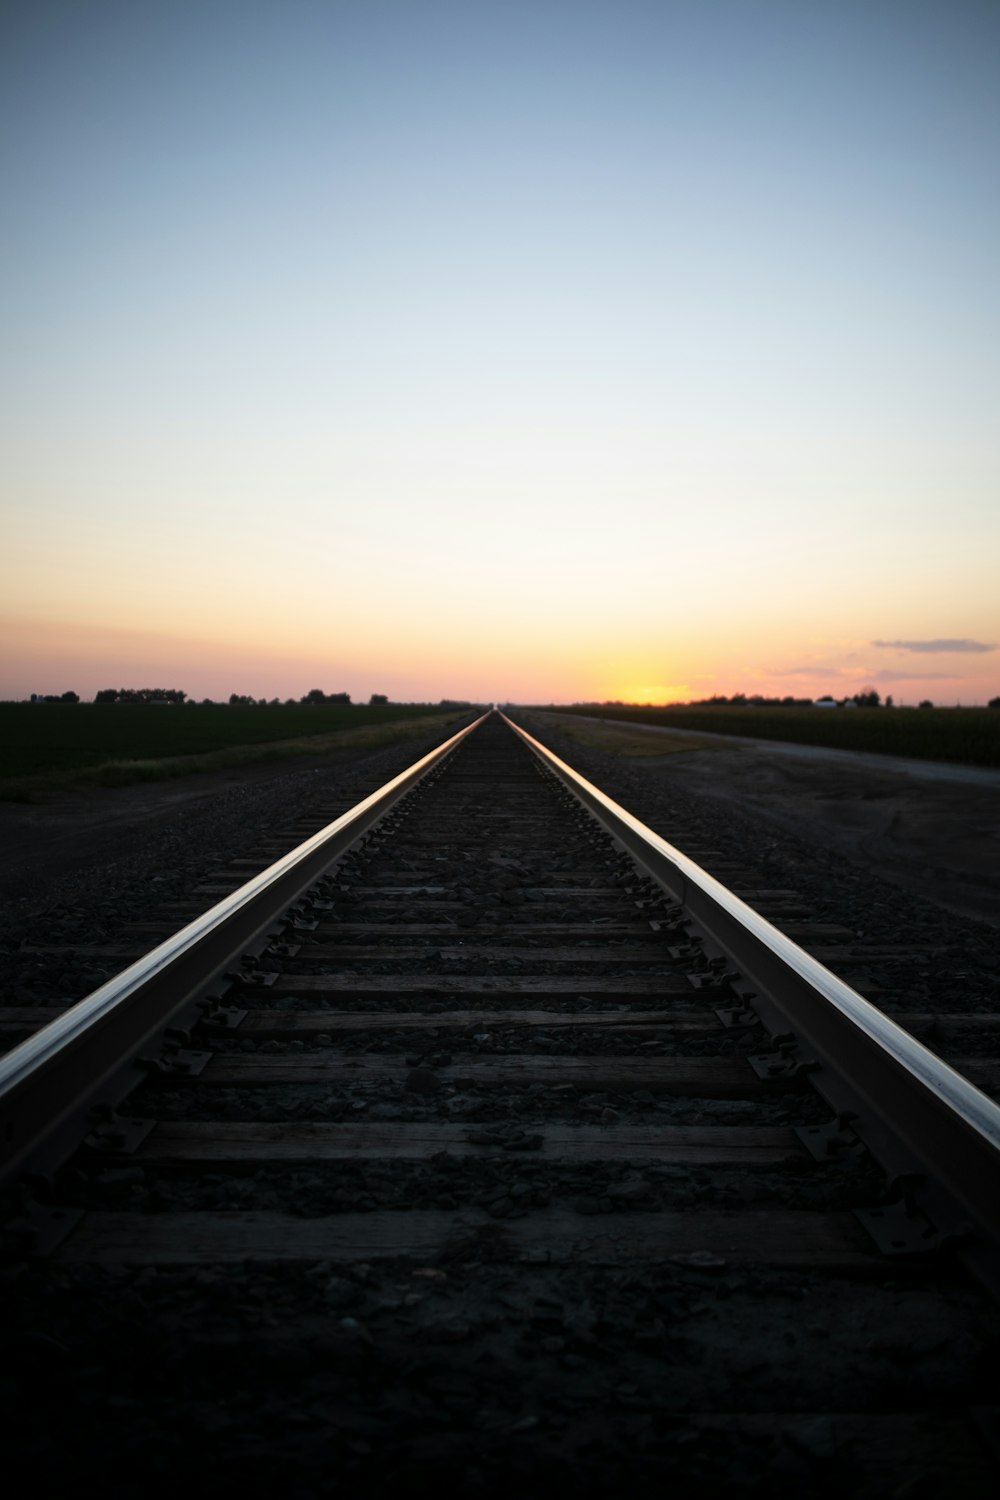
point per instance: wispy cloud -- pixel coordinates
(886, 674)
(931, 646)
(823, 669)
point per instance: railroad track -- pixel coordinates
(517, 1151)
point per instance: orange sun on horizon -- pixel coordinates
(661, 692)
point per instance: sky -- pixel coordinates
(532, 351)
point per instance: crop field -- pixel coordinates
(967, 735)
(112, 743)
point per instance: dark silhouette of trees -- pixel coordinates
(317, 695)
(756, 700)
(140, 695)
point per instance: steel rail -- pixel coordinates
(915, 1113)
(89, 1055)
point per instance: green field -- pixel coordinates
(968, 735)
(46, 744)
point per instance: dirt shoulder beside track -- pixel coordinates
(101, 850)
(938, 839)
(913, 823)
(91, 825)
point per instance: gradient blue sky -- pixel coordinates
(533, 351)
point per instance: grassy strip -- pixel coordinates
(969, 736)
(37, 738)
(115, 773)
(622, 739)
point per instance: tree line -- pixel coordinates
(314, 697)
(175, 695)
(866, 698)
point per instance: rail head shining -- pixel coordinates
(915, 1110)
(59, 1072)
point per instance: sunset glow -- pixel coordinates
(535, 352)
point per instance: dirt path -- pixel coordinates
(857, 760)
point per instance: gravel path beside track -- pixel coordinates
(932, 829)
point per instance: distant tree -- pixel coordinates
(377, 699)
(925, 703)
(70, 697)
(106, 695)
(888, 701)
(993, 703)
(338, 698)
(314, 695)
(867, 698)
